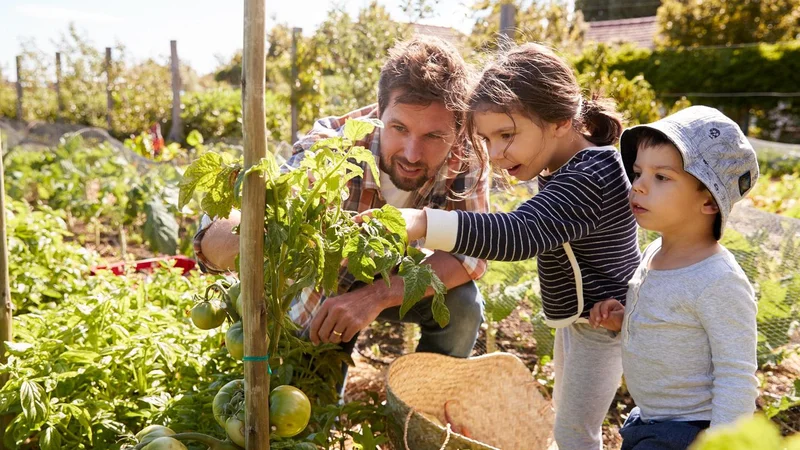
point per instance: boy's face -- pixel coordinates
(666, 199)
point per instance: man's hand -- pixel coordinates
(607, 314)
(416, 221)
(341, 317)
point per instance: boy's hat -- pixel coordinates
(713, 148)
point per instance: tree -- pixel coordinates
(549, 22)
(726, 22)
(594, 10)
(353, 55)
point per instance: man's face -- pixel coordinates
(415, 142)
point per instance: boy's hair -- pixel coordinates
(424, 70)
(532, 80)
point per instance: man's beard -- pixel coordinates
(402, 183)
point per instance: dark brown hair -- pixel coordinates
(424, 70)
(532, 80)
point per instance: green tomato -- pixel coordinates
(289, 411)
(208, 315)
(239, 303)
(234, 341)
(229, 399)
(165, 443)
(234, 427)
(234, 291)
(152, 432)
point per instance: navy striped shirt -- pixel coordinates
(583, 203)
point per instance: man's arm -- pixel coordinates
(349, 313)
(219, 246)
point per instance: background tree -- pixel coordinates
(594, 10)
(550, 22)
(725, 22)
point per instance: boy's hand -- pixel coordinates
(416, 221)
(607, 314)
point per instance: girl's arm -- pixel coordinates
(568, 208)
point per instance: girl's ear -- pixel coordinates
(561, 129)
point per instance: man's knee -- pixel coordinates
(465, 303)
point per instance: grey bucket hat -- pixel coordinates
(713, 148)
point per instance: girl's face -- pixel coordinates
(516, 143)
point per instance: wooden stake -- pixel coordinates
(295, 36)
(58, 86)
(251, 241)
(109, 100)
(6, 307)
(176, 132)
(19, 88)
(507, 22)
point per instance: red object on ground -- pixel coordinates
(147, 265)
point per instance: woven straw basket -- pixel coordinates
(494, 397)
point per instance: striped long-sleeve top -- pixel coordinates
(585, 204)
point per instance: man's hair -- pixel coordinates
(423, 70)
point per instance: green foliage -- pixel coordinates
(43, 268)
(354, 53)
(756, 433)
(550, 22)
(726, 22)
(594, 10)
(109, 359)
(94, 184)
(308, 235)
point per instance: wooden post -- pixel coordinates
(176, 132)
(6, 309)
(507, 22)
(295, 127)
(19, 87)
(58, 86)
(251, 241)
(109, 100)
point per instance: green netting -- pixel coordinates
(767, 246)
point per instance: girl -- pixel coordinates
(528, 113)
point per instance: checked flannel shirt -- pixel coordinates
(365, 194)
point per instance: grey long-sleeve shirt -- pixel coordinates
(689, 341)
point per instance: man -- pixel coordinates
(424, 162)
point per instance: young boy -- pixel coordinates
(689, 323)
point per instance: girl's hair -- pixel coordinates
(532, 80)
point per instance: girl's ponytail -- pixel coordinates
(601, 120)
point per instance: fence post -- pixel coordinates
(507, 22)
(6, 309)
(109, 100)
(59, 99)
(176, 131)
(19, 87)
(295, 126)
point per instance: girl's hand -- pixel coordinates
(416, 221)
(607, 314)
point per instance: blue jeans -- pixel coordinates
(457, 339)
(638, 434)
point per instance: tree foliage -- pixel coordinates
(692, 23)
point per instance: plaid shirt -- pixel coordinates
(454, 177)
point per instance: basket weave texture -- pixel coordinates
(493, 397)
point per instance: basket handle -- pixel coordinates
(405, 432)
